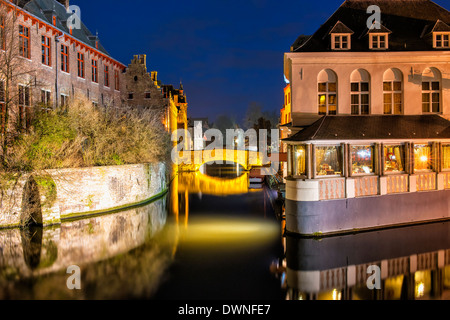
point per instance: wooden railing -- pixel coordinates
(330, 189)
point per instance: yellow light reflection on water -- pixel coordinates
(240, 232)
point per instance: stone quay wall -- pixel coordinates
(51, 196)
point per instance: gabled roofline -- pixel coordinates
(67, 37)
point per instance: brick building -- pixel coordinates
(60, 59)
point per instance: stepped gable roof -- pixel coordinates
(406, 19)
(375, 127)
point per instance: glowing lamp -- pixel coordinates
(424, 158)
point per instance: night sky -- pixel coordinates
(227, 53)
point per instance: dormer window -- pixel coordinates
(341, 42)
(341, 37)
(379, 41)
(441, 40)
(440, 35)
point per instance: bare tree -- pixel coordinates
(17, 75)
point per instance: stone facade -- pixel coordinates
(56, 195)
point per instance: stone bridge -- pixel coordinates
(193, 160)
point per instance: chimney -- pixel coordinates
(65, 3)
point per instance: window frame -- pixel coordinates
(393, 92)
(46, 45)
(340, 43)
(24, 42)
(373, 159)
(2, 33)
(376, 45)
(46, 97)
(94, 64)
(404, 158)
(360, 93)
(430, 92)
(429, 160)
(81, 65)
(327, 95)
(65, 61)
(106, 76)
(442, 41)
(340, 152)
(24, 105)
(443, 158)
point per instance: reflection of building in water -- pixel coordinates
(35, 252)
(414, 263)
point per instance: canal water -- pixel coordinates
(217, 236)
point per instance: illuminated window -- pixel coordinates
(94, 71)
(328, 160)
(327, 92)
(46, 51)
(106, 76)
(24, 42)
(64, 58)
(422, 157)
(446, 157)
(80, 58)
(394, 158)
(362, 159)
(299, 163)
(378, 41)
(393, 92)
(441, 40)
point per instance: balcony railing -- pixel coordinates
(397, 183)
(330, 189)
(426, 181)
(366, 186)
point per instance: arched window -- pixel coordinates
(393, 91)
(431, 90)
(327, 92)
(360, 96)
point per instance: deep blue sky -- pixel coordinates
(228, 53)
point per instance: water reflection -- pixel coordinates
(414, 263)
(33, 262)
(209, 220)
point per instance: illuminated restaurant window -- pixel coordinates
(422, 157)
(362, 159)
(394, 158)
(299, 160)
(446, 157)
(328, 161)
